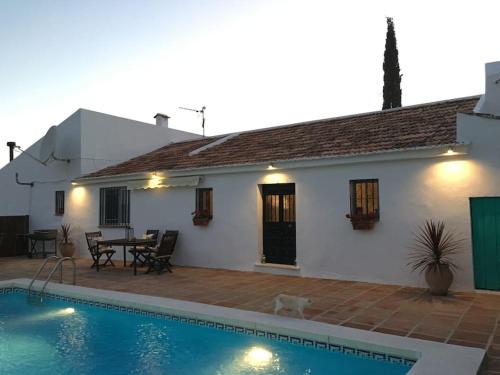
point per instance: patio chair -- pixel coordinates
(97, 251)
(160, 259)
(140, 252)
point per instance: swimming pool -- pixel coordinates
(137, 339)
(68, 336)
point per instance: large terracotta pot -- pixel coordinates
(67, 249)
(439, 279)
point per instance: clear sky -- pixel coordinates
(254, 63)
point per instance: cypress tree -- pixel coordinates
(392, 77)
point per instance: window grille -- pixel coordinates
(114, 206)
(59, 203)
(204, 202)
(365, 198)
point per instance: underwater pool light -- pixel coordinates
(66, 311)
(258, 357)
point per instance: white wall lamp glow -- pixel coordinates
(450, 152)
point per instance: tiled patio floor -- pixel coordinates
(470, 319)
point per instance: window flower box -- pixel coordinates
(200, 218)
(201, 221)
(362, 222)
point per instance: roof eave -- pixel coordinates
(425, 152)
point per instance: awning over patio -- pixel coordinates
(161, 183)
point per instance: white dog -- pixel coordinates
(291, 303)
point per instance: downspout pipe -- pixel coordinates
(23, 183)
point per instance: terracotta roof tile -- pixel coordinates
(407, 127)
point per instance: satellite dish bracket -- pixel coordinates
(31, 156)
(59, 159)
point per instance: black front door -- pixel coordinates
(279, 223)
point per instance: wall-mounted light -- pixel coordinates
(155, 181)
(271, 167)
(74, 183)
(450, 152)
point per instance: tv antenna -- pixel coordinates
(202, 111)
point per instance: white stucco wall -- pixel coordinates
(410, 192)
(91, 140)
(107, 140)
(23, 200)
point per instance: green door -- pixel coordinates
(485, 219)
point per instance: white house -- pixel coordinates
(276, 199)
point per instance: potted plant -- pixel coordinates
(201, 217)
(362, 221)
(432, 253)
(67, 247)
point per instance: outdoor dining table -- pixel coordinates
(134, 242)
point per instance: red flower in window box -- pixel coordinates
(362, 221)
(201, 217)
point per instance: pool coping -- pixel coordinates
(431, 357)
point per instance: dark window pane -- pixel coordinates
(114, 206)
(59, 203)
(272, 208)
(204, 202)
(364, 197)
(289, 208)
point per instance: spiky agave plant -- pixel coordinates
(434, 246)
(65, 230)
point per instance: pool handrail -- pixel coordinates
(59, 263)
(39, 271)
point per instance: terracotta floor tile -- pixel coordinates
(466, 343)
(494, 350)
(399, 324)
(443, 317)
(470, 336)
(370, 317)
(226, 304)
(408, 315)
(433, 330)
(311, 313)
(391, 331)
(476, 327)
(343, 315)
(496, 339)
(427, 337)
(491, 364)
(391, 306)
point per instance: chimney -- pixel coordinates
(11, 146)
(162, 120)
(490, 101)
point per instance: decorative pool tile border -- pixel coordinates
(226, 327)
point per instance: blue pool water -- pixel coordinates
(60, 337)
